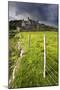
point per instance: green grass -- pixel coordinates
(29, 70)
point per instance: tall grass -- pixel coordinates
(30, 67)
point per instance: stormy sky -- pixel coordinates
(44, 13)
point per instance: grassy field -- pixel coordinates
(29, 67)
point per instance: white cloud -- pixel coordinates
(12, 10)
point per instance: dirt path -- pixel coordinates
(16, 67)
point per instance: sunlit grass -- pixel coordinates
(30, 67)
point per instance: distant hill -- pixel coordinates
(30, 25)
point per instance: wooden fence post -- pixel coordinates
(29, 39)
(44, 54)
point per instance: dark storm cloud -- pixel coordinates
(47, 13)
(36, 10)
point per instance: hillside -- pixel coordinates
(33, 26)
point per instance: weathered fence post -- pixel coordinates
(44, 55)
(29, 39)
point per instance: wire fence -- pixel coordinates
(52, 73)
